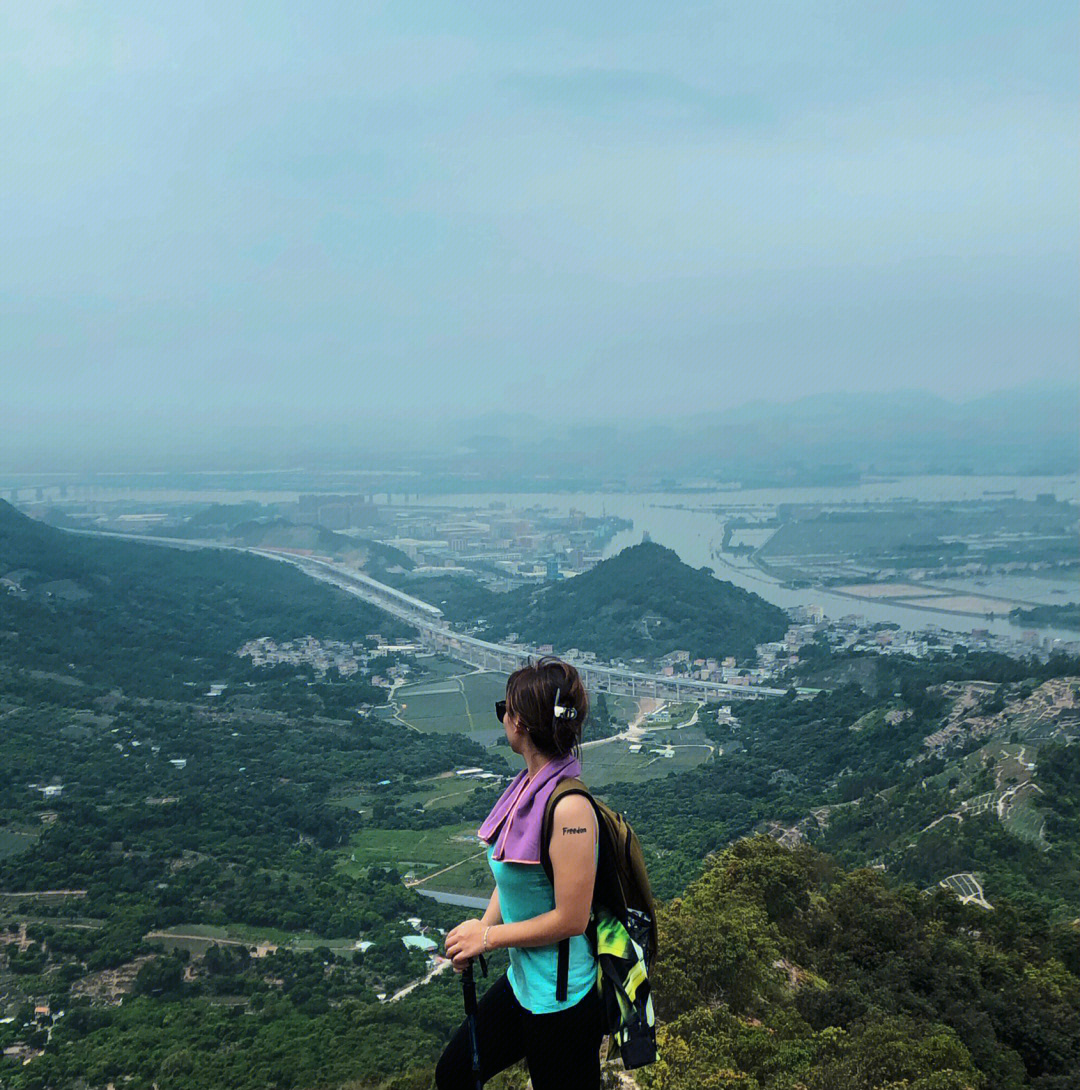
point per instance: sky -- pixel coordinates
(268, 211)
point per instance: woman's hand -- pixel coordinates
(464, 943)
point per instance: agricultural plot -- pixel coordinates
(435, 793)
(410, 851)
(472, 878)
(967, 887)
(1023, 820)
(447, 791)
(198, 938)
(438, 667)
(622, 708)
(358, 802)
(1053, 709)
(1014, 798)
(979, 804)
(462, 704)
(613, 762)
(434, 711)
(671, 715)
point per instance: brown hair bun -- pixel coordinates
(530, 696)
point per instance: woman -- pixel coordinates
(554, 1024)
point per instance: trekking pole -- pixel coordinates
(468, 988)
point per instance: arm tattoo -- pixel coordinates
(566, 829)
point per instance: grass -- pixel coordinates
(614, 763)
(197, 938)
(410, 850)
(671, 715)
(459, 704)
(14, 841)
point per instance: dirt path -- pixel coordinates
(646, 706)
(199, 938)
(391, 700)
(428, 877)
(45, 893)
(439, 967)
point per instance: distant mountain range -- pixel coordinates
(827, 438)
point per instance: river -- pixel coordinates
(691, 525)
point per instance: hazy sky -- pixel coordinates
(587, 208)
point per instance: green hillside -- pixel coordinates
(643, 603)
(781, 971)
(115, 611)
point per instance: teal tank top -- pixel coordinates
(525, 892)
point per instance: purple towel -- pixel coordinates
(518, 816)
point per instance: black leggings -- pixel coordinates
(562, 1049)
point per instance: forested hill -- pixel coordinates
(112, 610)
(644, 602)
(780, 970)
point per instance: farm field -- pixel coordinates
(434, 793)
(884, 590)
(415, 851)
(197, 938)
(472, 878)
(437, 667)
(967, 887)
(960, 603)
(612, 762)
(622, 708)
(1023, 820)
(671, 715)
(461, 704)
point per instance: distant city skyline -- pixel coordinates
(376, 213)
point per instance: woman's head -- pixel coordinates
(530, 699)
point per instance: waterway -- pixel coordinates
(693, 526)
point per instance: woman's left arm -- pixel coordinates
(573, 865)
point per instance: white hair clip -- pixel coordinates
(563, 711)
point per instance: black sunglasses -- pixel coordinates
(500, 709)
